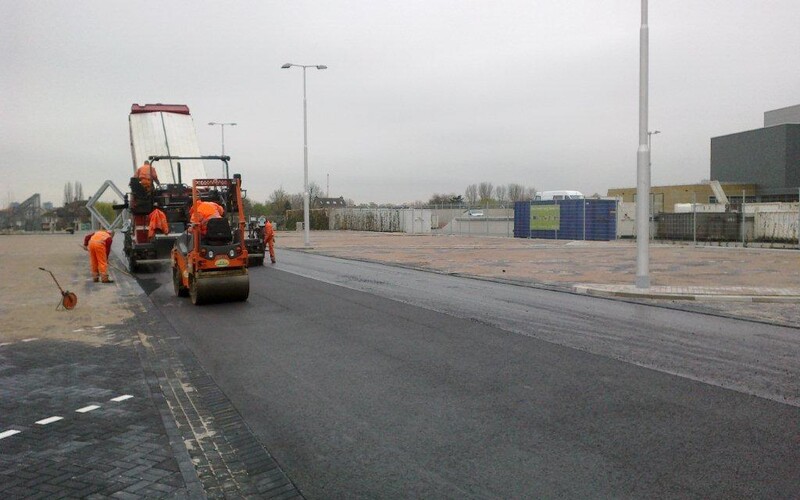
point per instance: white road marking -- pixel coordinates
(49, 420)
(87, 408)
(122, 398)
(98, 327)
(78, 330)
(30, 340)
(5, 344)
(6, 434)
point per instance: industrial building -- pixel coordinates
(763, 165)
(664, 198)
(767, 157)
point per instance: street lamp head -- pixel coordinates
(232, 124)
(212, 123)
(322, 66)
(286, 66)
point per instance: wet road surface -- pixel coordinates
(368, 380)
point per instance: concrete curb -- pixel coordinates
(699, 297)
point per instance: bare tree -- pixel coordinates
(500, 193)
(314, 191)
(68, 194)
(441, 198)
(530, 193)
(485, 191)
(296, 200)
(471, 194)
(78, 191)
(515, 192)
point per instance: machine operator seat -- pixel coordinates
(218, 232)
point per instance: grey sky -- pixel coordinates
(420, 96)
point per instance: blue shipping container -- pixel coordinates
(566, 219)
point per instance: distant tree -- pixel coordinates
(314, 191)
(485, 191)
(278, 201)
(530, 193)
(247, 205)
(296, 201)
(500, 193)
(259, 209)
(106, 210)
(441, 198)
(78, 191)
(515, 192)
(68, 196)
(456, 199)
(350, 202)
(471, 194)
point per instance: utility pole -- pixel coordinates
(643, 162)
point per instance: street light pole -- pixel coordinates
(306, 216)
(222, 127)
(643, 162)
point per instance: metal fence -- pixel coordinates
(753, 225)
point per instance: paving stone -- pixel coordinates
(124, 449)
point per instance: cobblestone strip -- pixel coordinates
(117, 450)
(228, 459)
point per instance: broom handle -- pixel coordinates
(54, 279)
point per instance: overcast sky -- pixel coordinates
(420, 96)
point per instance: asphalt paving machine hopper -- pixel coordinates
(209, 260)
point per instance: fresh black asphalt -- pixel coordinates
(358, 395)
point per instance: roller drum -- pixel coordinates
(219, 286)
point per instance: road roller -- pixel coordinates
(209, 260)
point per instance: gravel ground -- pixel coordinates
(30, 296)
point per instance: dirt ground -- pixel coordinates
(29, 296)
(561, 262)
(28, 308)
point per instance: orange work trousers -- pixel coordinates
(271, 246)
(98, 260)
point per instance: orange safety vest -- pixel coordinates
(100, 237)
(205, 210)
(269, 233)
(158, 220)
(146, 172)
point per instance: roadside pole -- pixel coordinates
(743, 225)
(643, 162)
(694, 218)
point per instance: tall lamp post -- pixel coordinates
(643, 161)
(307, 240)
(222, 127)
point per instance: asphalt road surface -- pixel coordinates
(374, 381)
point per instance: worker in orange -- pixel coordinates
(147, 176)
(202, 211)
(269, 239)
(158, 223)
(98, 244)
